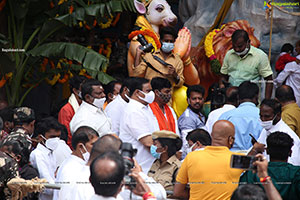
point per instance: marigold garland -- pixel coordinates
(4, 78)
(209, 50)
(149, 36)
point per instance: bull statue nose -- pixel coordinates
(172, 21)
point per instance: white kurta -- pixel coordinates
(137, 122)
(89, 115)
(114, 111)
(44, 161)
(283, 127)
(61, 152)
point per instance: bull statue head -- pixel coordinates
(157, 12)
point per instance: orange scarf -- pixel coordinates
(164, 124)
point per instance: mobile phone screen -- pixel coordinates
(242, 162)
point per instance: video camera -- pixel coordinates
(128, 152)
(146, 47)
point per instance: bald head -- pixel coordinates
(222, 131)
(103, 144)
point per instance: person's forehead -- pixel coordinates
(147, 86)
(264, 108)
(194, 94)
(97, 87)
(168, 37)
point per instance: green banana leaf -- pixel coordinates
(100, 9)
(92, 61)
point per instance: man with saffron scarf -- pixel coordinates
(164, 114)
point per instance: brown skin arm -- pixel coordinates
(269, 87)
(147, 141)
(180, 191)
(224, 78)
(139, 53)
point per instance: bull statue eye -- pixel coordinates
(159, 8)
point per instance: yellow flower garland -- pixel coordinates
(208, 43)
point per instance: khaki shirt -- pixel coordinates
(291, 116)
(174, 60)
(165, 173)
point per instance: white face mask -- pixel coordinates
(149, 97)
(267, 124)
(86, 155)
(99, 102)
(167, 47)
(79, 95)
(51, 143)
(190, 149)
(243, 52)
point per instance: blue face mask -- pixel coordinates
(153, 152)
(167, 47)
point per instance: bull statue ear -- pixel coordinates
(140, 7)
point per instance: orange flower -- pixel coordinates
(71, 9)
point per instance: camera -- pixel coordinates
(128, 152)
(146, 47)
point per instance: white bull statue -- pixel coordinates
(153, 15)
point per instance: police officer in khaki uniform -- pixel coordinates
(165, 167)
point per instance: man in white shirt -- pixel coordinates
(90, 112)
(42, 158)
(138, 122)
(231, 103)
(291, 74)
(116, 108)
(270, 115)
(82, 142)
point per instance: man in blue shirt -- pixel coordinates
(245, 117)
(191, 118)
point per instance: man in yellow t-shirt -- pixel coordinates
(208, 172)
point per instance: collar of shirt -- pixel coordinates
(290, 106)
(216, 148)
(275, 127)
(247, 104)
(91, 108)
(121, 99)
(228, 106)
(138, 104)
(158, 52)
(200, 115)
(43, 148)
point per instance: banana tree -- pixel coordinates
(31, 36)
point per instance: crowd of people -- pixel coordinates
(123, 140)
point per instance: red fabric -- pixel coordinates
(65, 116)
(164, 124)
(283, 60)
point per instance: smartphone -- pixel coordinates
(253, 140)
(242, 162)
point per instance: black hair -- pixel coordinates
(75, 82)
(195, 88)
(16, 147)
(232, 94)
(287, 47)
(285, 93)
(126, 83)
(46, 125)
(173, 145)
(82, 135)
(238, 34)
(137, 84)
(249, 192)
(167, 30)
(64, 133)
(279, 145)
(272, 103)
(7, 114)
(200, 135)
(109, 88)
(107, 184)
(158, 83)
(247, 90)
(87, 87)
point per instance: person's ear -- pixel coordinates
(199, 145)
(156, 92)
(18, 158)
(165, 149)
(110, 96)
(88, 98)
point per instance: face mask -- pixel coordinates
(79, 95)
(127, 96)
(267, 124)
(99, 102)
(190, 149)
(149, 97)
(243, 52)
(51, 143)
(153, 152)
(86, 155)
(165, 97)
(167, 47)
